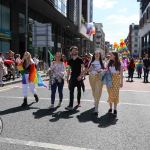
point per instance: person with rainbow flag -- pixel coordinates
(30, 77)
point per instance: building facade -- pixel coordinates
(64, 17)
(144, 32)
(133, 40)
(99, 38)
(5, 28)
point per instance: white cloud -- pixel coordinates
(104, 4)
(123, 19)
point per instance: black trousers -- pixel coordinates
(130, 73)
(72, 84)
(146, 73)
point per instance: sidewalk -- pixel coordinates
(17, 80)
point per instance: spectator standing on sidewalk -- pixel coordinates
(116, 70)
(76, 74)
(57, 70)
(96, 66)
(146, 67)
(17, 62)
(1, 70)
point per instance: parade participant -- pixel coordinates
(76, 75)
(146, 67)
(116, 70)
(95, 67)
(28, 77)
(57, 70)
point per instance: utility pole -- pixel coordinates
(26, 27)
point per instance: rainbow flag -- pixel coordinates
(91, 30)
(34, 76)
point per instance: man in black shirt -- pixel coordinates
(146, 66)
(76, 74)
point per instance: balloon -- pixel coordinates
(115, 45)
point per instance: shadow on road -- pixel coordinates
(104, 121)
(63, 115)
(88, 116)
(17, 109)
(44, 112)
(107, 120)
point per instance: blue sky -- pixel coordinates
(116, 16)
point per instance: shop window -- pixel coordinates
(4, 46)
(5, 18)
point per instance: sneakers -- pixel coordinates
(51, 107)
(36, 97)
(59, 104)
(69, 108)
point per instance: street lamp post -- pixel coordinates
(26, 27)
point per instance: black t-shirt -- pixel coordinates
(75, 67)
(146, 62)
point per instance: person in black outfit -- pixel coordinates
(146, 67)
(76, 65)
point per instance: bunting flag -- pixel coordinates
(34, 76)
(51, 56)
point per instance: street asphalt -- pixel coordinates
(38, 128)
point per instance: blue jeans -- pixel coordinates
(60, 90)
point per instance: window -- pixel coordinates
(4, 18)
(4, 46)
(136, 39)
(135, 45)
(61, 6)
(136, 33)
(135, 51)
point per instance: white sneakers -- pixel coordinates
(51, 107)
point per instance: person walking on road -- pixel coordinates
(29, 68)
(76, 74)
(131, 69)
(139, 67)
(116, 70)
(146, 67)
(96, 66)
(57, 70)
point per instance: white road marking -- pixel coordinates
(39, 144)
(84, 100)
(66, 87)
(6, 89)
(136, 91)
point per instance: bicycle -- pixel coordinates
(1, 125)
